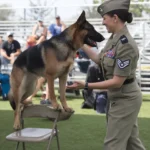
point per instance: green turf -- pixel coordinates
(85, 130)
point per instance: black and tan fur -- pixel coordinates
(51, 59)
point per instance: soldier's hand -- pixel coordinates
(76, 85)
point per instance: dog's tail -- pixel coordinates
(11, 100)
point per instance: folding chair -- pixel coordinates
(39, 134)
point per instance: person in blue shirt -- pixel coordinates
(56, 28)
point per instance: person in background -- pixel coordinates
(56, 28)
(39, 31)
(94, 74)
(10, 49)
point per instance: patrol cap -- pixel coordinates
(9, 34)
(110, 5)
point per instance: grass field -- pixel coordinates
(85, 130)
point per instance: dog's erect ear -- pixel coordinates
(81, 18)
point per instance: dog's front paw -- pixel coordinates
(68, 109)
(17, 126)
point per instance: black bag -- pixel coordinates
(101, 102)
(94, 74)
(89, 100)
(96, 101)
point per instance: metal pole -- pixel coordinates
(144, 38)
(24, 20)
(53, 131)
(17, 145)
(24, 13)
(58, 145)
(55, 11)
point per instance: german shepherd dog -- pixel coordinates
(51, 59)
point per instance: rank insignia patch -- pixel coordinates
(123, 64)
(123, 39)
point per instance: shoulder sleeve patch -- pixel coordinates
(123, 64)
(123, 39)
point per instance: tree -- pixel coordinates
(44, 13)
(6, 13)
(91, 12)
(138, 9)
